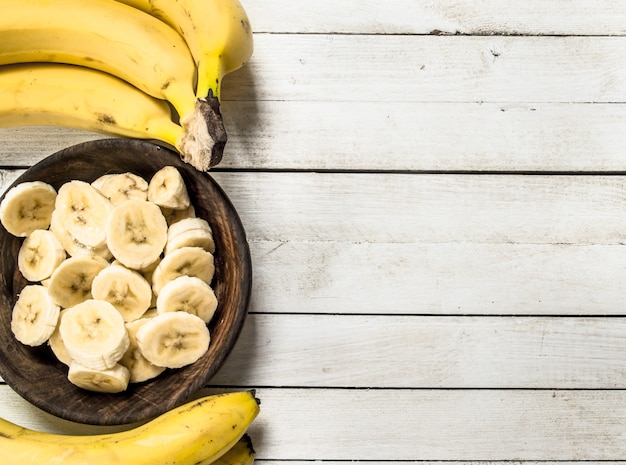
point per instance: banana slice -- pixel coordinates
(99, 182)
(73, 246)
(190, 232)
(136, 233)
(34, 316)
(167, 189)
(173, 339)
(57, 345)
(83, 211)
(188, 294)
(140, 368)
(109, 381)
(94, 334)
(39, 255)
(70, 283)
(172, 215)
(127, 290)
(121, 187)
(190, 261)
(26, 207)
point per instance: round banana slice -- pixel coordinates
(109, 381)
(70, 283)
(83, 211)
(167, 189)
(73, 246)
(57, 345)
(27, 206)
(140, 368)
(172, 215)
(136, 233)
(173, 339)
(94, 334)
(39, 255)
(189, 261)
(34, 316)
(99, 182)
(127, 290)
(121, 187)
(190, 232)
(188, 294)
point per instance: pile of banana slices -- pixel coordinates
(119, 275)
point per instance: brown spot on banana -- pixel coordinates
(106, 119)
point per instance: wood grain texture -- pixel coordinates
(428, 208)
(399, 68)
(507, 17)
(383, 351)
(401, 136)
(438, 279)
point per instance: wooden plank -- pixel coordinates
(463, 278)
(434, 244)
(424, 136)
(426, 208)
(441, 425)
(411, 136)
(399, 208)
(383, 425)
(554, 17)
(378, 351)
(392, 68)
(338, 351)
(427, 462)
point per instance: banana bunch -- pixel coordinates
(148, 69)
(210, 430)
(119, 275)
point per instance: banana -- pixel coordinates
(39, 255)
(94, 334)
(27, 206)
(172, 216)
(34, 316)
(73, 246)
(200, 431)
(110, 380)
(242, 453)
(217, 32)
(125, 42)
(190, 232)
(139, 367)
(121, 187)
(127, 290)
(70, 283)
(190, 261)
(173, 339)
(188, 294)
(136, 233)
(57, 345)
(104, 35)
(49, 94)
(167, 189)
(83, 211)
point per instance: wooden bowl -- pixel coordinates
(36, 374)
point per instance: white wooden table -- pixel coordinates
(434, 194)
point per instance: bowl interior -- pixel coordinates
(36, 374)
